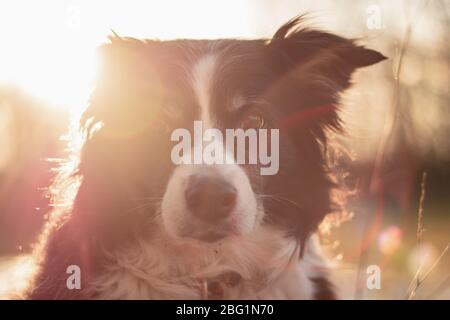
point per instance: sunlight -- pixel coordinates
(14, 275)
(55, 60)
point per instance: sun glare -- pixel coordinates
(14, 275)
(55, 59)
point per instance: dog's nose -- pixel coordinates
(210, 197)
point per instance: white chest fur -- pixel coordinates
(163, 269)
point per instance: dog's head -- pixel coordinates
(149, 89)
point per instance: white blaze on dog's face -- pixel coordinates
(209, 202)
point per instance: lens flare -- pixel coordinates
(422, 257)
(390, 240)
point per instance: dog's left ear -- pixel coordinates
(318, 64)
(308, 49)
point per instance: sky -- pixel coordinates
(48, 46)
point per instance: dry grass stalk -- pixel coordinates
(386, 135)
(418, 279)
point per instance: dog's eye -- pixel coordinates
(253, 121)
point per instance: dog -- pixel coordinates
(138, 226)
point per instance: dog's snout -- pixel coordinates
(210, 197)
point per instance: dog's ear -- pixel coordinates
(314, 67)
(301, 44)
(127, 81)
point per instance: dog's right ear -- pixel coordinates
(126, 82)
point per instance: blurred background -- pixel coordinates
(397, 118)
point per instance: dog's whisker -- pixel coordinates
(280, 199)
(145, 205)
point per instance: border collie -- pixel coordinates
(139, 226)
